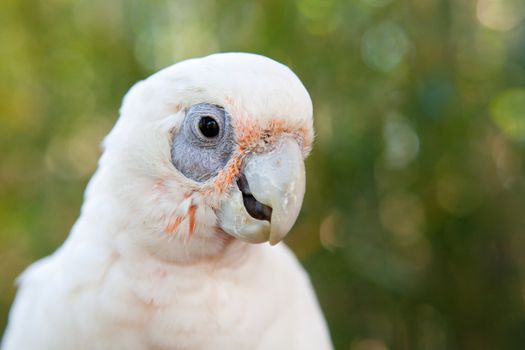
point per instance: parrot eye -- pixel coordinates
(208, 127)
(205, 124)
(204, 143)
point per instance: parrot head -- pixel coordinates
(206, 152)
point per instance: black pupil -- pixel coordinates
(209, 127)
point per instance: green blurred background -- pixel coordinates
(413, 223)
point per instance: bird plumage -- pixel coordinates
(149, 263)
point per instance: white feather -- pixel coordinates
(121, 282)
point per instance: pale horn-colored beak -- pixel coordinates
(265, 204)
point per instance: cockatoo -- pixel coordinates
(205, 161)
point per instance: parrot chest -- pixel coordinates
(157, 306)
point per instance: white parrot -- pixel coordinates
(205, 160)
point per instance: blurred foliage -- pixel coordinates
(413, 224)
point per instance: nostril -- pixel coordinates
(256, 209)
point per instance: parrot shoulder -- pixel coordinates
(48, 294)
(29, 313)
(301, 317)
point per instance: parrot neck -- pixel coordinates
(122, 216)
